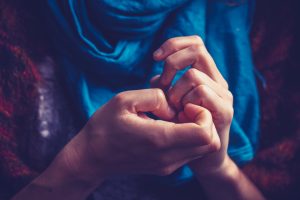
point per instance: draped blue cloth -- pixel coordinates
(106, 46)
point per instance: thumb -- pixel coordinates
(198, 114)
(149, 100)
(203, 118)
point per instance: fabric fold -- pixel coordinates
(105, 47)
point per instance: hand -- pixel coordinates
(202, 85)
(121, 139)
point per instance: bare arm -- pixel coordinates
(228, 182)
(202, 95)
(58, 181)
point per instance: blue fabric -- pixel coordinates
(106, 47)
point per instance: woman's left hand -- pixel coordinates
(203, 86)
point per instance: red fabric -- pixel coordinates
(17, 101)
(275, 168)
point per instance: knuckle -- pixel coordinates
(169, 62)
(120, 98)
(230, 96)
(226, 85)
(198, 39)
(198, 49)
(201, 90)
(229, 113)
(191, 74)
(226, 116)
(199, 52)
(170, 44)
(215, 145)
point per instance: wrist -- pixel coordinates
(65, 178)
(227, 169)
(58, 178)
(57, 182)
(78, 163)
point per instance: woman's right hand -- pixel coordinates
(120, 139)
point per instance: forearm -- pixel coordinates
(59, 182)
(228, 182)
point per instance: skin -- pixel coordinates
(195, 115)
(202, 96)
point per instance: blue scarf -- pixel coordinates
(106, 46)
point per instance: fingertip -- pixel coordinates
(158, 54)
(189, 107)
(195, 112)
(154, 82)
(169, 111)
(172, 112)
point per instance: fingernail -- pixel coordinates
(158, 52)
(172, 112)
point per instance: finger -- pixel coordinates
(167, 76)
(203, 95)
(191, 79)
(189, 154)
(177, 157)
(154, 82)
(188, 134)
(182, 118)
(147, 100)
(198, 115)
(175, 44)
(173, 159)
(170, 135)
(176, 61)
(206, 64)
(196, 56)
(203, 118)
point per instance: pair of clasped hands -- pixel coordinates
(195, 116)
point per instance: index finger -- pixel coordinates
(146, 100)
(172, 135)
(181, 52)
(175, 44)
